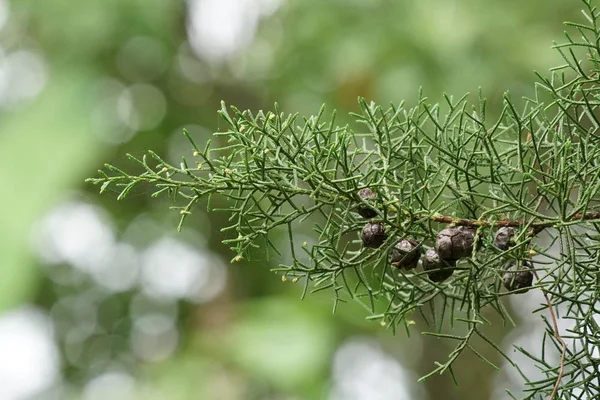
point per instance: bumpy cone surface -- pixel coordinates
(432, 262)
(405, 253)
(454, 243)
(518, 279)
(373, 234)
(504, 238)
(368, 196)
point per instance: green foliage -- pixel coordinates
(536, 167)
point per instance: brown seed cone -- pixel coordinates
(504, 238)
(454, 243)
(368, 196)
(405, 254)
(518, 279)
(373, 234)
(440, 269)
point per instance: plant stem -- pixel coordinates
(537, 226)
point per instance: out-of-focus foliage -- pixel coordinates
(106, 298)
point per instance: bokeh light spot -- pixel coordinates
(30, 362)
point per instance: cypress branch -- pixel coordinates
(534, 167)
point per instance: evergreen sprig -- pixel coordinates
(535, 167)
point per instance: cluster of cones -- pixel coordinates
(451, 245)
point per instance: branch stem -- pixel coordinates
(537, 226)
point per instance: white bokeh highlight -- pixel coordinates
(75, 233)
(29, 364)
(110, 385)
(362, 371)
(23, 75)
(121, 269)
(218, 29)
(80, 235)
(154, 337)
(176, 270)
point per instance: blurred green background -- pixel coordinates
(103, 299)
